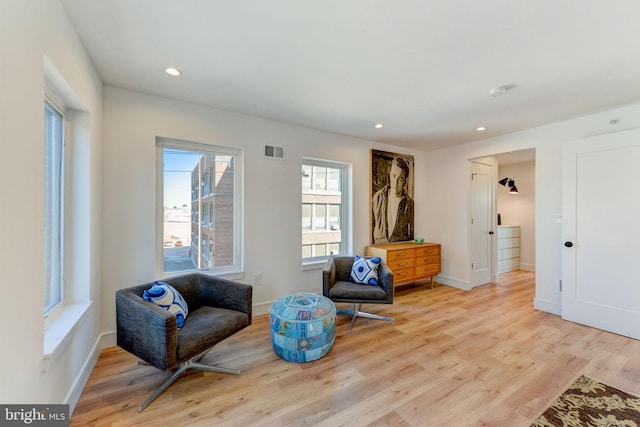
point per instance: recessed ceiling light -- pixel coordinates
(378, 126)
(481, 128)
(172, 71)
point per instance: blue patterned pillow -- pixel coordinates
(165, 295)
(365, 270)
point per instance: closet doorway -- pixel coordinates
(515, 235)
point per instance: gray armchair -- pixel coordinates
(218, 308)
(337, 287)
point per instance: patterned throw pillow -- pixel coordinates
(165, 296)
(365, 270)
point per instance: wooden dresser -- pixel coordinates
(410, 262)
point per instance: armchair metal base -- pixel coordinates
(356, 312)
(191, 364)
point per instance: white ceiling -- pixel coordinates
(422, 67)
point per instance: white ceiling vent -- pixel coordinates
(273, 152)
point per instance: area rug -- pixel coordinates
(588, 402)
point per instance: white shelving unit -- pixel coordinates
(508, 248)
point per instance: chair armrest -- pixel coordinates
(328, 276)
(385, 279)
(225, 293)
(146, 330)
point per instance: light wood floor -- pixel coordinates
(451, 358)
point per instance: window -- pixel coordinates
(324, 209)
(68, 211)
(200, 189)
(54, 205)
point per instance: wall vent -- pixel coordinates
(273, 152)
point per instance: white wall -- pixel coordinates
(519, 209)
(272, 190)
(33, 33)
(447, 173)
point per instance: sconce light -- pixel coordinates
(511, 183)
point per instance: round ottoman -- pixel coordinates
(302, 326)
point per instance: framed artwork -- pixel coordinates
(391, 195)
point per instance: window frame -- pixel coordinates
(314, 262)
(59, 324)
(52, 309)
(234, 270)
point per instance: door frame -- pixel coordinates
(494, 159)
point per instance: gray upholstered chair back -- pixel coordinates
(337, 286)
(218, 308)
(150, 332)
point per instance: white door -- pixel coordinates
(481, 223)
(601, 233)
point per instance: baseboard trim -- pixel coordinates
(262, 308)
(81, 380)
(455, 283)
(105, 339)
(547, 306)
(528, 267)
(108, 339)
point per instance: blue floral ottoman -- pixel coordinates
(302, 326)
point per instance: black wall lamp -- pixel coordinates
(511, 183)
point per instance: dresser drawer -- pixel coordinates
(507, 231)
(513, 242)
(427, 270)
(401, 263)
(428, 251)
(400, 255)
(425, 260)
(402, 274)
(510, 264)
(511, 253)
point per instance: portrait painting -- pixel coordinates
(391, 191)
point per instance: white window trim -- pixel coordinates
(232, 272)
(60, 323)
(346, 227)
(58, 330)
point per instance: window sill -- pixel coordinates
(58, 332)
(313, 265)
(231, 275)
